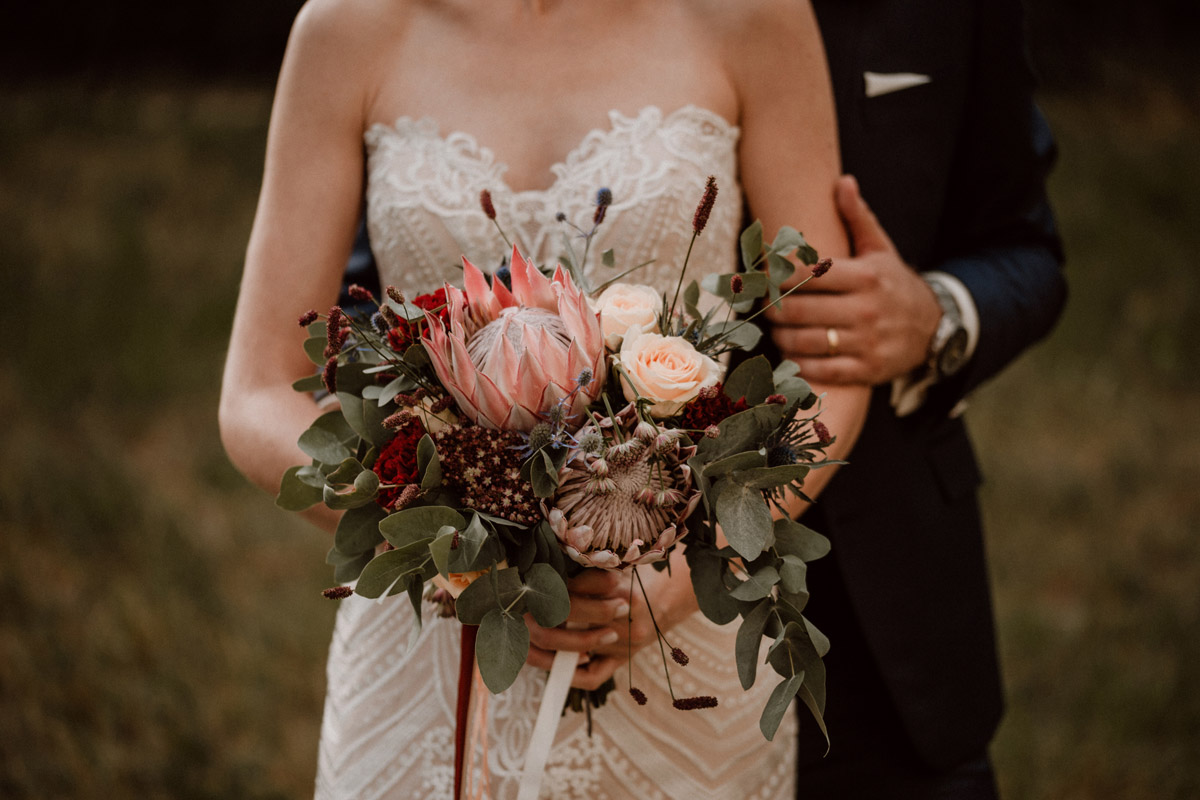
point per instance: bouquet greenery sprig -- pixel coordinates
(494, 439)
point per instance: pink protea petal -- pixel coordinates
(503, 295)
(484, 304)
(530, 286)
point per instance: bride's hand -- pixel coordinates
(607, 622)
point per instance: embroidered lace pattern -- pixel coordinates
(388, 729)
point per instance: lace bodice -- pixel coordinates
(423, 188)
(389, 711)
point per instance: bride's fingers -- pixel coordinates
(590, 611)
(599, 583)
(544, 659)
(566, 639)
(594, 673)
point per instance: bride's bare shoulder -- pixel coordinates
(754, 21)
(350, 27)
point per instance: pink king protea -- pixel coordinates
(508, 357)
(624, 502)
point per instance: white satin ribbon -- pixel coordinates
(557, 686)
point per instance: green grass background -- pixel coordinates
(161, 630)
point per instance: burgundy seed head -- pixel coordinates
(360, 293)
(308, 318)
(694, 703)
(822, 432)
(638, 695)
(338, 592)
(485, 202)
(712, 432)
(776, 400)
(706, 205)
(821, 267)
(329, 375)
(395, 294)
(735, 284)
(680, 657)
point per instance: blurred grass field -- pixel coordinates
(161, 630)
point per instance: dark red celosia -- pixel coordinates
(397, 462)
(710, 407)
(404, 334)
(706, 205)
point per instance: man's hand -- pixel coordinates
(881, 314)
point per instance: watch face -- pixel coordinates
(954, 354)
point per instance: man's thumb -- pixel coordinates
(862, 225)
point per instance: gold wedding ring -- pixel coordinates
(831, 338)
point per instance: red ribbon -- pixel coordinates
(466, 669)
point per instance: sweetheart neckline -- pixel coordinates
(618, 121)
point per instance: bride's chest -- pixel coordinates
(424, 187)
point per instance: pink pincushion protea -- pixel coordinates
(626, 502)
(508, 357)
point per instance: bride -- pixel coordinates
(418, 105)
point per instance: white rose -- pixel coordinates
(665, 369)
(627, 305)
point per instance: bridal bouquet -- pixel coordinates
(493, 439)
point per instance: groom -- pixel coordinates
(937, 123)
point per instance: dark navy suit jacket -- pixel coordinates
(955, 170)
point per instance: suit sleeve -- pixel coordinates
(998, 232)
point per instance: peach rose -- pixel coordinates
(627, 305)
(665, 369)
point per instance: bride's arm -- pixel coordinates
(303, 230)
(788, 162)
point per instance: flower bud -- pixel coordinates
(735, 284)
(706, 205)
(485, 202)
(821, 267)
(337, 592)
(308, 318)
(822, 432)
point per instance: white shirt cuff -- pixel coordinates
(908, 394)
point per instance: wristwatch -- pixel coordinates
(948, 349)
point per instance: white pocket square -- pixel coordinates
(881, 83)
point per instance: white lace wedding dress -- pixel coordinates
(388, 729)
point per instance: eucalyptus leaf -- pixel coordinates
(364, 489)
(608, 258)
(379, 576)
(312, 383)
(751, 245)
(744, 517)
(737, 461)
(358, 529)
(429, 466)
(793, 574)
(737, 332)
(778, 703)
(500, 649)
(345, 473)
(394, 387)
(691, 299)
(748, 642)
(817, 709)
(324, 445)
(294, 493)
(419, 522)
(707, 569)
(347, 567)
(543, 475)
(771, 477)
(481, 596)
(799, 540)
(780, 269)
(547, 598)
(751, 379)
(311, 475)
(746, 430)
(314, 348)
(757, 585)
